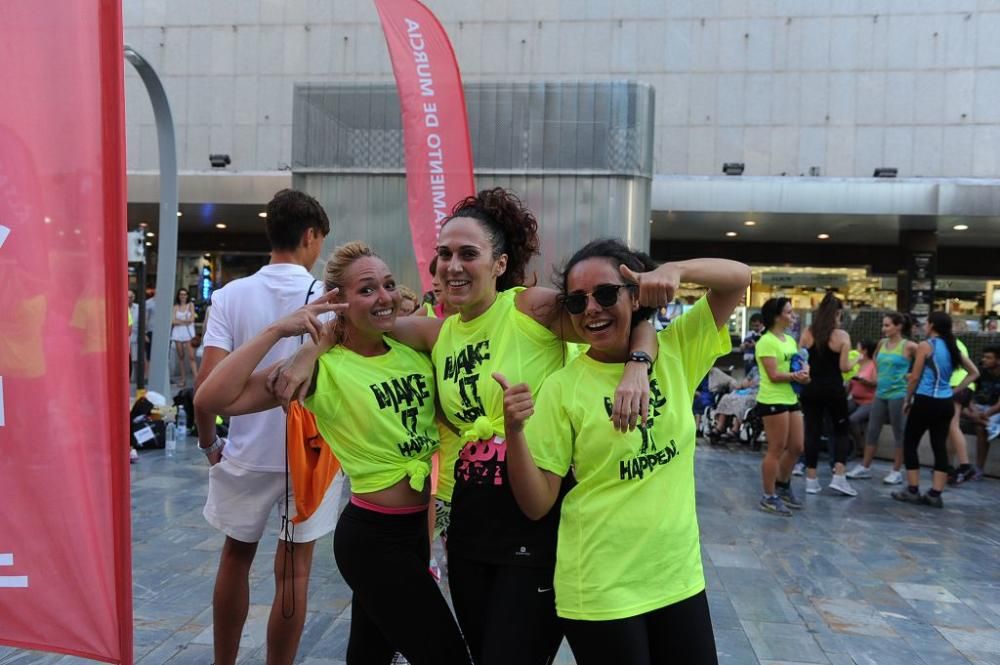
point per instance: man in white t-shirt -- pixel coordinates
(248, 478)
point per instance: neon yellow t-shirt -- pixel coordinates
(573, 349)
(852, 357)
(486, 523)
(628, 536)
(960, 372)
(769, 346)
(377, 414)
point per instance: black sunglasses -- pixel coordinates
(606, 295)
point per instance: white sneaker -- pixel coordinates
(894, 478)
(799, 469)
(813, 486)
(859, 472)
(133, 455)
(840, 484)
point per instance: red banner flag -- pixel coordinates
(435, 126)
(65, 537)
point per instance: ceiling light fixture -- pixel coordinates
(823, 236)
(220, 225)
(262, 215)
(750, 222)
(961, 227)
(149, 244)
(180, 214)
(731, 234)
(150, 234)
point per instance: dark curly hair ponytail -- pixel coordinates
(617, 253)
(511, 228)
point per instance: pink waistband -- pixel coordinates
(386, 510)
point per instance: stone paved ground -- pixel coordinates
(863, 580)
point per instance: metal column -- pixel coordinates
(166, 268)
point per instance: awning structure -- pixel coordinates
(849, 210)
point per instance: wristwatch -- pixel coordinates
(641, 357)
(216, 446)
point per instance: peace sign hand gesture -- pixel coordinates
(306, 318)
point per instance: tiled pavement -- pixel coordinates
(863, 580)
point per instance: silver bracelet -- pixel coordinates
(216, 446)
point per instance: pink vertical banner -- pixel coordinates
(65, 534)
(435, 126)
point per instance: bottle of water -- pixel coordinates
(171, 440)
(182, 429)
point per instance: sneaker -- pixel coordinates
(840, 484)
(932, 501)
(894, 478)
(965, 476)
(799, 469)
(906, 496)
(772, 504)
(859, 472)
(813, 486)
(133, 455)
(788, 496)
(977, 474)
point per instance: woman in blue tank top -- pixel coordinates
(928, 407)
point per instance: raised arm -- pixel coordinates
(418, 333)
(233, 388)
(542, 304)
(726, 280)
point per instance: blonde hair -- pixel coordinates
(406, 293)
(341, 259)
(335, 274)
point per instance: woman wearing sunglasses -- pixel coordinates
(629, 583)
(500, 563)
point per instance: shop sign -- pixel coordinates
(805, 279)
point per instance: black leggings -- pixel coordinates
(678, 633)
(928, 414)
(396, 605)
(817, 401)
(507, 613)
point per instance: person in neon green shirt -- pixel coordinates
(498, 559)
(374, 402)
(956, 438)
(629, 583)
(778, 405)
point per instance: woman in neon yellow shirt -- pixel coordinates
(778, 405)
(374, 402)
(629, 583)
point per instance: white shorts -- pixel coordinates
(240, 503)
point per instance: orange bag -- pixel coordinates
(311, 463)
